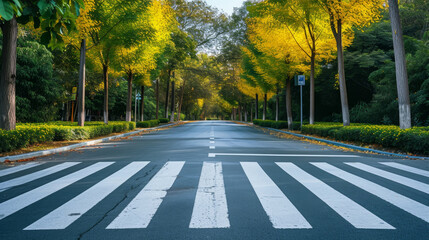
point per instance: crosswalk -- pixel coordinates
(211, 202)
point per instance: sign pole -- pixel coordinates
(300, 93)
(135, 108)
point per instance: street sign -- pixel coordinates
(74, 91)
(301, 80)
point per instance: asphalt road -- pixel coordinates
(214, 180)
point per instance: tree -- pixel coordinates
(343, 16)
(400, 66)
(115, 29)
(304, 24)
(138, 60)
(54, 18)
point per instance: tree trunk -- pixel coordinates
(341, 73)
(142, 104)
(172, 100)
(400, 66)
(106, 93)
(167, 93)
(129, 97)
(251, 112)
(240, 115)
(289, 105)
(245, 112)
(265, 107)
(277, 105)
(81, 87)
(256, 107)
(313, 58)
(181, 100)
(157, 99)
(8, 75)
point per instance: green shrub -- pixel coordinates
(31, 133)
(148, 124)
(164, 120)
(414, 140)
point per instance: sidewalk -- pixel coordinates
(74, 146)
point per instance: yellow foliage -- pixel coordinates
(141, 59)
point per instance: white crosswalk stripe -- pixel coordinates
(393, 177)
(17, 203)
(415, 208)
(19, 168)
(407, 168)
(36, 175)
(279, 209)
(210, 207)
(354, 213)
(143, 207)
(65, 215)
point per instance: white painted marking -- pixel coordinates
(407, 168)
(354, 213)
(413, 207)
(212, 142)
(210, 207)
(143, 207)
(17, 203)
(11, 170)
(282, 155)
(393, 177)
(65, 215)
(279, 209)
(212, 138)
(212, 155)
(36, 175)
(212, 147)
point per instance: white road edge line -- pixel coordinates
(210, 207)
(280, 155)
(407, 204)
(143, 207)
(17, 203)
(72, 210)
(282, 213)
(351, 211)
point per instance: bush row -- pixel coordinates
(149, 123)
(277, 124)
(414, 140)
(27, 134)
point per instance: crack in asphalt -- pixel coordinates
(118, 203)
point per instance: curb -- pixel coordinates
(339, 144)
(74, 146)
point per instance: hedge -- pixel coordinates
(276, 124)
(148, 124)
(414, 140)
(31, 133)
(164, 120)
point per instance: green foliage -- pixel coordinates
(276, 124)
(414, 140)
(37, 91)
(148, 124)
(163, 120)
(31, 133)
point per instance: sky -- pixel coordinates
(226, 6)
